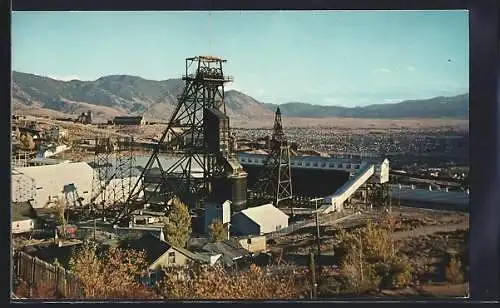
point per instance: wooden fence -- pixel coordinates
(38, 273)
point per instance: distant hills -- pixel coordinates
(114, 95)
(437, 107)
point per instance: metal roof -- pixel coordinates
(230, 251)
(22, 211)
(264, 214)
(52, 178)
(317, 161)
(434, 196)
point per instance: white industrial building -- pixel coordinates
(47, 184)
(259, 220)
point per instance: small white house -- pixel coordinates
(259, 220)
(23, 217)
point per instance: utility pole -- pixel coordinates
(317, 224)
(361, 258)
(390, 198)
(94, 228)
(399, 195)
(312, 268)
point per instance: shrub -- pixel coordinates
(453, 271)
(400, 275)
(204, 282)
(217, 231)
(112, 273)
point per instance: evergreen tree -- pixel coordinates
(217, 230)
(178, 228)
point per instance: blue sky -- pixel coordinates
(345, 58)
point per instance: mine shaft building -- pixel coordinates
(128, 120)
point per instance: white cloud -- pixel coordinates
(392, 100)
(382, 70)
(65, 78)
(410, 68)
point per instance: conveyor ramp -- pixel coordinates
(347, 190)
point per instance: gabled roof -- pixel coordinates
(230, 250)
(57, 170)
(152, 245)
(155, 248)
(22, 211)
(263, 214)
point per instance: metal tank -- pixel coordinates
(239, 191)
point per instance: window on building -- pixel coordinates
(249, 241)
(171, 257)
(278, 227)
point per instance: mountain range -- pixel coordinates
(115, 95)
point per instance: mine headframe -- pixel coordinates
(275, 180)
(197, 135)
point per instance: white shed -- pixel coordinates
(259, 220)
(23, 217)
(59, 182)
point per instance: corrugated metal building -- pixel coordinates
(51, 182)
(259, 220)
(126, 120)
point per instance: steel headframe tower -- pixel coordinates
(103, 172)
(275, 180)
(190, 176)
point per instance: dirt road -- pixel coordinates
(426, 230)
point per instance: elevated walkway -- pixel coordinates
(336, 200)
